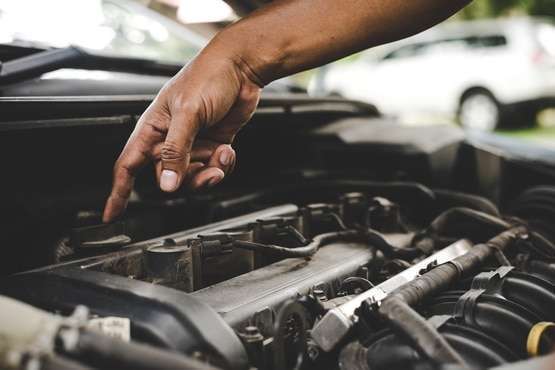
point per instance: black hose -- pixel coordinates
(378, 241)
(453, 217)
(56, 362)
(453, 220)
(444, 275)
(542, 269)
(338, 220)
(371, 237)
(396, 308)
(457, 223)
(296, 234)
(304, 251)
(541, 242)
(450, 199)
(420, 332)
(108, 353)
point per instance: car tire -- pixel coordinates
(479, 110)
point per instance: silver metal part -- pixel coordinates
(237, 299)
(28, 333)
(25, 332)
(335, 325)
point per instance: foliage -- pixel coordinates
(495, 8)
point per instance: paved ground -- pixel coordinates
(542, 133)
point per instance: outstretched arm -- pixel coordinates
(290, 36)
(219, 90)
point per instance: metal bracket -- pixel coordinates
(484, 283)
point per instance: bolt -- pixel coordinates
(251, 330)
(251, 334)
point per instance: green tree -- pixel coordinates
(495, 8)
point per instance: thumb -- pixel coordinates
(176, 150)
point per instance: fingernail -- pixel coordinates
(214, 180)
(225, 157)
(168, 180)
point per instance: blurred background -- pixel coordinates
(489, 68)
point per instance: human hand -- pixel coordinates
(188, 129)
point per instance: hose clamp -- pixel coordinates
(486, 282)
(534, 337)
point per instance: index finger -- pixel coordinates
(133, 157)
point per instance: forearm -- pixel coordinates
(294, 35)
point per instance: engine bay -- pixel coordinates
(349, 274)
(341, 241)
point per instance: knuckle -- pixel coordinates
(172, 152)
(122, 170)
(121, 173)
(117, 170)
(191, 107)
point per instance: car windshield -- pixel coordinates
(109, 27)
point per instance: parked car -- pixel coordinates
(486, 74)
(108, 27)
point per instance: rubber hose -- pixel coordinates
(396, 307)
(305, 251)
(105, 352)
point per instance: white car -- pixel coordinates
(485, 74)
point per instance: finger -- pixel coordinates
(203, 149)
(135, 154)
(214, 154)
(208, 176)
(223, 158)
(192, 170)
(176, 151)
(133, 157)
(220, 164)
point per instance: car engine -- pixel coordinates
(382, 248)
(374, 275)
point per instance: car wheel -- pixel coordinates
(480, 111)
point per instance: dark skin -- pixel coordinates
(219, 90)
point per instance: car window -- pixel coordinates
(113, 27)
(406, 51)
(491, 41)
(471, 42)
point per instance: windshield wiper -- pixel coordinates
(34, 65)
